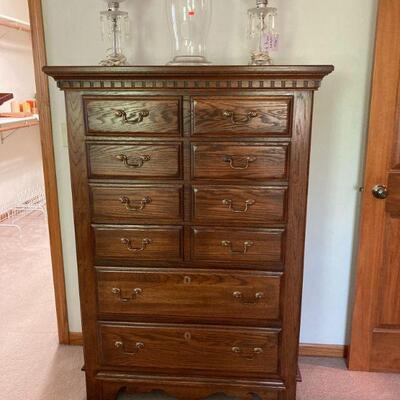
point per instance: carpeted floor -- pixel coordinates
(34, 367)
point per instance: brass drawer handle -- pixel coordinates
(134, 118)
(128, 203)
(248, 355)
(135, 163)
(239, 296)
(121, 345)
(135, 293)
(248, 204)
(246, 246)
(128, 243)
(240, 120)
(240, 162)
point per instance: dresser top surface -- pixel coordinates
(182, 72)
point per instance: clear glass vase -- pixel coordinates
(189, 22)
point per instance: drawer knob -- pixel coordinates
(133, 118)
(119, 344)
(136, 162)
(239, 162)
(129, 203)
(128, 243)
(251, 300)
(246, 246)
(247, 205)
(244, 119)
(135, 293)
(248, 355)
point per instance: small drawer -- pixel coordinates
(193, 349)
(230, 116)
(233, 297)
(133, 115)
(143, 243)
(256, 204)
(240, 161)
(258, 246)
(139, 203)
(139, 160)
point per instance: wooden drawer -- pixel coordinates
(235, 244)
(256, 116)
(191, 348)
(240, 161)
(138, 243)
(170, 294)
(134, 115)
(257, 204)
(139, 160)
(130, 204)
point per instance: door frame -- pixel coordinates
(384, 99)
(49, 168)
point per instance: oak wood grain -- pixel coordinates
(240, 204)
(144, 160)
(230, 116)
(239, 161)
(160, 116)
(136, 204)
(163, 243)
(237, 297)
(193, 349)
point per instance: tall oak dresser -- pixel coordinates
(190, 187)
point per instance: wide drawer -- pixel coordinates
(257, 246)
(191, 296)
(240, 161)
(139, 160)
(257, 204)
(138, 243)
(133, 115)
(205, 350)
(131, 204)
(257, 116)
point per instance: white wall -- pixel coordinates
(332, 31)
(20, 154)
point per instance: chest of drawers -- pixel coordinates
(189, 188)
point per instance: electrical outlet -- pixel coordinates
(64, 134)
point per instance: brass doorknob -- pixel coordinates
(380, 192)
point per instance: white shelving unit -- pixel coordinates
(9, 125)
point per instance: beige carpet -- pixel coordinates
(34, 367)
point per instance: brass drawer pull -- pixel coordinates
(250, 355)
(128, 203)
(240, 162)
(128, 242)
(248, 204)
(134, 118)
(135, 163)
(240, 120)
(135, 293)
(121, 345)
(246, 246)
(239, 296)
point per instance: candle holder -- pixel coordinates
(262, 33)
(115, 30)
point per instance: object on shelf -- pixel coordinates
(14, 23)
(115, 29)
(262, 32)
(5, 97)
(189, 25)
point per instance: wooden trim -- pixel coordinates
(49, 168)
(305, 350)
(323, 350)
(18, 125)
